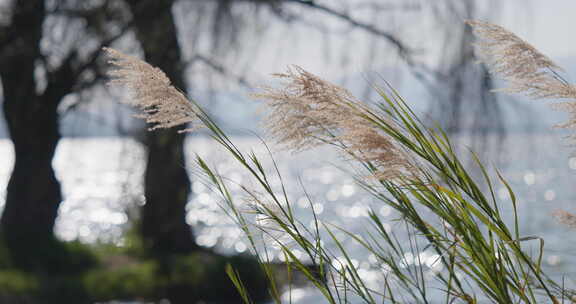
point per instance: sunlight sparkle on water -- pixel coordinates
(96, 199)
(327, 175)
(341, 262)
(295, 295)
(240, 247)
(348, 190)
(206, 240)
(205, 216)
(372, 278)
(199, 187)
(529, 178)
(553, 260)
(550, 195)
(333, 194)
(385, 210)
(303, 202)
(358, 210)
(407, 260)
(503, 193)
(572, 163)
(204, 199)
(318, 208)
(372, 258)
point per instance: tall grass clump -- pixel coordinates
(529, 72)
(479, 255)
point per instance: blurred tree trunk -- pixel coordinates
(33, 192)
(164, 230)
(167, 185)
(464, 104)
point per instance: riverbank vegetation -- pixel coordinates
(100, 273)
(480, 252)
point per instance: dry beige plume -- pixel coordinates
(529, 72)
(309, 111)
(305, 111)
(163, 105)
(526, 69)
(565, 218)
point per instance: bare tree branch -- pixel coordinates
(403, 50)
(220, 69)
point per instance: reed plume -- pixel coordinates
(529, 72)
(566, 218)
(525, 69)
(162, 105)
(309, 111)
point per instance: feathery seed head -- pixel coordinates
(368, 144)
(305, 112)
(163, 105)
(310, 111)
(566, 218)
(526, 69)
